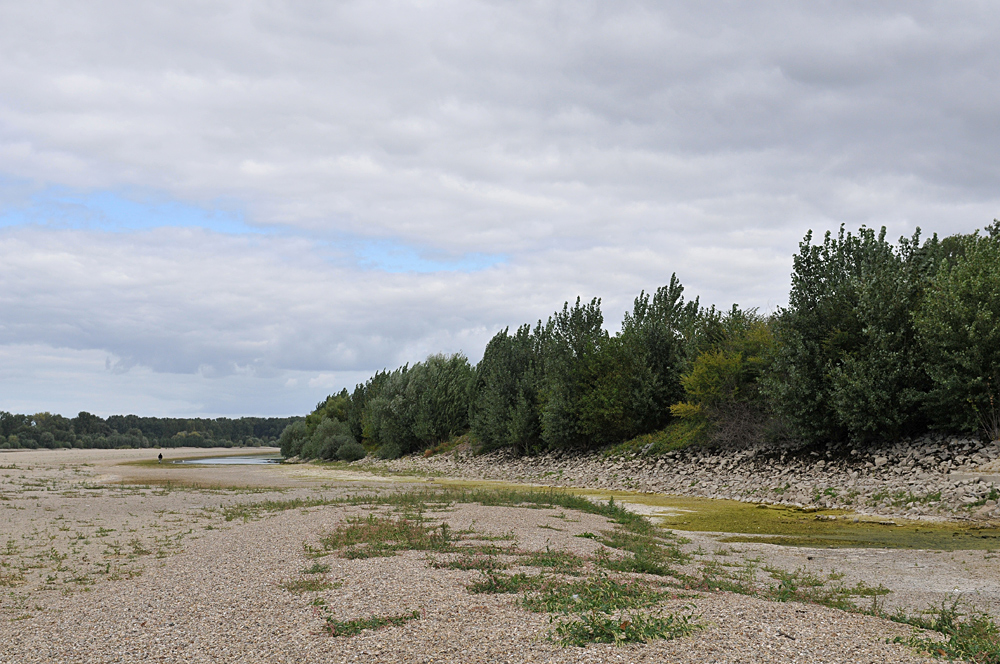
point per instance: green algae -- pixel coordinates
(825, 528)
(786, 526)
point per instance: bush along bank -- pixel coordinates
(931, 476)
(879, 341)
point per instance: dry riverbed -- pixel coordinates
(101, 561)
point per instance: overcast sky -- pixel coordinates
(227, 208)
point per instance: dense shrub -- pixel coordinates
(504, 410)
(878, 340)
(292, 438)
(847, 363)
(351, 451)
(388, 451)
(416, 407)
(328, 437)
(959, 326)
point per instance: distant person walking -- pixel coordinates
(159, 458)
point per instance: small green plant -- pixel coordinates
(354, 627)
(599, 627)
(473, 562)
(972, 638)
(602, 593)
(308, 584)
(562, 562)
(498, 583)
(137, 547)
(317, 568)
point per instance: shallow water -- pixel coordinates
(787, 526)
(230, 460)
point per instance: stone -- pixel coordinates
(881, 461)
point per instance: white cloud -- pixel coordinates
(596, 148)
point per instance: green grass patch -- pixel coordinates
(353, 627)
(685, 432)
(498, 583)
(560, 562)
(466, 562)
(599, 627)
(256, 510)
(309, 584)
(970, 637)
(785, 586)
(601, 593)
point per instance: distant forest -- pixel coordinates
(879, 341)
(45, 430)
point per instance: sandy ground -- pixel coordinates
(104, 562)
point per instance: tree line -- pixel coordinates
(879, 340)
(88, 431)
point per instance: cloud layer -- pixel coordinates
(320, 190)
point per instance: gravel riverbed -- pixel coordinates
(110, 563)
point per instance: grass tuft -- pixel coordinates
(354, 627)
(599, 627)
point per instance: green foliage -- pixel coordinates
(498, 583)
(847, 362)
(602, 593)
(416, 407)
(970, 638)
(959, 325)
(388, 451)
(351, 451)
(724, 403)
(88, 431)
(683, 432)
(354, 627)
(505, 409)
(292, 439)
(328, 438)
(335, 407)
(664, 328)
(600, 627)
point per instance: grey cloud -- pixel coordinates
(472, 124)
(598, 146)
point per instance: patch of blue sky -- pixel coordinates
(122, 210)
(115, 211)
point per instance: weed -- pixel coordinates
(317, 568)
(602, 594)
(247, 511)
(973, 637)
(562, 562)
(599, 627)
(353, 627)
(497, 583)
(306, 584)
(473, 562)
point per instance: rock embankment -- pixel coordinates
(931, 476)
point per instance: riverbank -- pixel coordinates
(930, 477)
(213, 564)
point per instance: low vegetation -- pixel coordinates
(617, 595)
